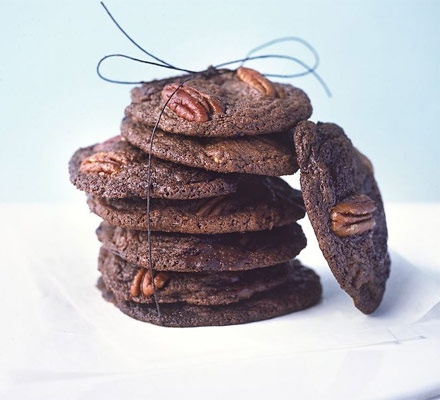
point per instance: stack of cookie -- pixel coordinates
(222, 223)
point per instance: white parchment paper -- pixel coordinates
(63, 329)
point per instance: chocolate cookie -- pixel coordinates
(301, 290)
(195, 253)
(346, 211)
(131, 282)
(258, 205)
(118, 170)
(263, 155)
(220, 103)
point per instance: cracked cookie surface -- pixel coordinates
(258, 204)
(246, 111)
(263, 155)
(116, 169)
(198, 288)
(302, 289)
(203, 253)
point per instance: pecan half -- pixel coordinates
(235, 148)
(257, 81)
(190, 103)
(143, 284)
(353, 216)
(104, 162)
(135, 288)
(212, 207)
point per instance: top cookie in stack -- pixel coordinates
(220, 103)
(223, 238)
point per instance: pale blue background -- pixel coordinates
(381, 59)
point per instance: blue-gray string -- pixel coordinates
(249, 57)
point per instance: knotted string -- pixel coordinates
(193, 74)
(164, 64)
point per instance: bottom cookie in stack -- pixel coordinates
(189, 299)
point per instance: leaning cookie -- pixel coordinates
(220, 103)
(204, 253)
(345, 207)
(259, 204)
(271, 155)
(117, 169)
(302, 289)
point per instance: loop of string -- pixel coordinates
(308, 70)
(249, 57)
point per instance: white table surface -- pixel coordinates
(60, 340)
